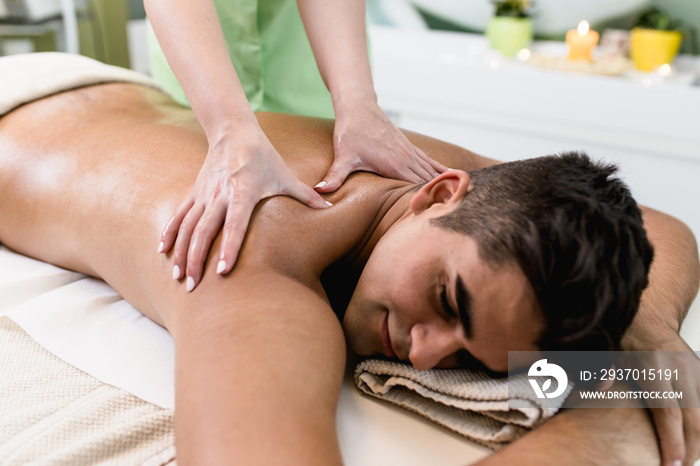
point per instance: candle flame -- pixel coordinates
(583, 27)
(524, 55)
(665, 70)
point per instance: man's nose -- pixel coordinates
(432, 345)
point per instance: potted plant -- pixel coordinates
(510, 30)
(655, 40)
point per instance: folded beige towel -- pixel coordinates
(53, 413)
(28, 77)
(470, 403)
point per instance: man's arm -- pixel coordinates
(586, 437)
(673, 284)
(254, 382)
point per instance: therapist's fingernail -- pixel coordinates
(221, 267)
(190, 284)
(176, 273)
(161, 246)
(321, 184)
(328, 204)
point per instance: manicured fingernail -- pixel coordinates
(321, 184)
(677, 463)
(221, 267)
(176, 273)
(328, 204)
(190, 284)
(161, 246)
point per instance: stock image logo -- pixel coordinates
(542, 370)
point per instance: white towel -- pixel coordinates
(470, 403)
(28, 77)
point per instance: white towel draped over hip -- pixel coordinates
(28, 77)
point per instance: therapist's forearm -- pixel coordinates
(338, 37)
(193, 43)
(673, 281)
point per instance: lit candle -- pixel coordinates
(581, 42)
(665, 70)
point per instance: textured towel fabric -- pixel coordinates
(470, 403)
(53, 413)
(28, 77)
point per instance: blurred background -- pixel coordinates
(551, 18)
(110, 30)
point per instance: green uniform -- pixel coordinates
(272, 56)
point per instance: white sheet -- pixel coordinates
(86, 323)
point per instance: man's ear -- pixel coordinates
(447, 188)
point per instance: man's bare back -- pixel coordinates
(138, 141)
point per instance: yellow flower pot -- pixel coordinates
(650, 48)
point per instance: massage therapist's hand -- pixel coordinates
(366, 139)
(238, 172)
(678, 429)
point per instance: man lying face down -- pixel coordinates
(548, 253)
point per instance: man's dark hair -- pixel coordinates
(576, 232)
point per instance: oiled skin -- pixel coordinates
(128, 157)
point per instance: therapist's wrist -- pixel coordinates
(352, 99)
(224, 128)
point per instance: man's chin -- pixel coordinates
(353, 342)
(361, 325)
(354, 338)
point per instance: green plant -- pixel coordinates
(656, 18)
(513, 8)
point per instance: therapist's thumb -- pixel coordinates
(307, 195)
(335, 177)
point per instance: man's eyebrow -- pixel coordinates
(464, 305)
